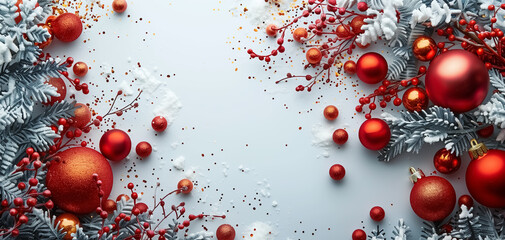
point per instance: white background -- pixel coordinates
(251, 119)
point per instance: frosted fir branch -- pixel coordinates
(466, 224)
(377, 234)
(436, 14)
(429, 232)
(384, 24)
(42, 226)
(493, 112)
(411, 130)
(400, 231)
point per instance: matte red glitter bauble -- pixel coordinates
(67, 27)
(330, 112)
(337, 172)
(485, 175)
(143, 149)
(82, 116)
(374, 134)
(185, 186)
(314, 56)
(432, 198)
(109, 205)
(371, 68)
(159, 124)
(225, 232)
(340, 136)
(458, 80)
(115, 145)
(119, 5)
(71, 182)
(446, 162)
(465, 200)
(377, 213)
(61, 89)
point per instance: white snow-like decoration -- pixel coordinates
(384, 24)
(179, 163)
(259, 231)
(436, 14)
(465, 212)
(401, 230)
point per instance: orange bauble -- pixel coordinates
(446, 162)
(185, 185)
(343, 31)
(372, 68)
(225, 232)
(115, 145)
(271, 30)
(415, 99)
(67, 223)
(314, 56)
(356, 24)
(424, 48)
(82, 115)
(299, 34)
(330, 112)
(119, 5)
(48, 42)
(71, 182)
(80, 69)
(61, 89)
(350, 67)
(67, 27)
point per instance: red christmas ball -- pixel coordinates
(119, 5)
(446, 162)
(330, 112)
(300, 34)
(82, 116)
(485, 177)
(374, 134)
(109, 206)
(314, 56)
(126, 197)
(80, 69)
(271, 30)
(142, 207)
(458, 80)
(185, 186)
(415, 99)
(159, 124)
(377, 213)
(358, 234)
(61, 89)
(340, 136)
(465, 200)
(67, 27)
(115, 145)
(371, 68)
(486, 132)
(337, 172)
(225, 232)
(70, 179)
(432, 198)
(143, 149)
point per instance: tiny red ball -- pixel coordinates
(143, 149)
(340, 136)
(358, 234)
(159, 124)
(466, 200)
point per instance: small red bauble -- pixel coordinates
(271, 30)
(300, 34)
(415, 99)
(358, 234)
(343, 31)
(486, 132)
(70, 179)
(446, 162)
(374, 134)
(80, 69)
(485, 175)
(82, 116)
(126, 197)
(159, 124)
(67, 27)
(432, 198)
(350, 67)
(61, 89)
(142, 207)
(115, 145)
(143, 149)
(185, 186)
(314, 56)
(377, 213)
(356, 24)
(372, 68)
(330, 112)
(337, 172)
(457, 79)
(340, 136)
(225, 232)
(119, 6)
(109, 206)
(465, 200)
(424, 48)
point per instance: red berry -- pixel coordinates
(33, 182)
(18, 201)
(362, 6)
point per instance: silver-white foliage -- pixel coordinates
(383, 24)
(436, 14)
(493, 111)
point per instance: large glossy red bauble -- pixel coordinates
(458, 80)
(485, 179)
(67, 27)
(61, 89)
(115, 145)
(432, 198)
(374, 134)
(71, 182)
(371, 68)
